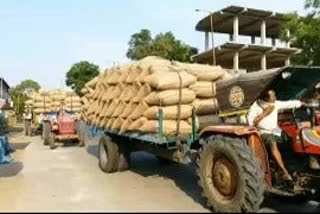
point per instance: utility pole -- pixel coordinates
(212, 34)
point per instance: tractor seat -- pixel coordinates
(312, 135)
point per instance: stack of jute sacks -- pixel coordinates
(128, 98)
(49, 101)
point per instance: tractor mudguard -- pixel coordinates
(253, 139)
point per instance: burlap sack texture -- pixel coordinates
(128, 97)
(47, 101)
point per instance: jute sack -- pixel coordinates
(157, 62)
(133, 73)
(42, 105)
(170, 97)
(128, 109)
(72, 99)
(144, 90)
(116, 91)
(113, 77)
(59, 97)
(203, 72)
(112, 107)
(75, 109)
(84, 100)
(110, 122)
(117, 124)
(168, 112)
(42, 99)
(204, 89)
(92, 83)
(76, 105)
(119, 109)
(107, 93)
(169, 127)
(139, 110)
(29, 102)
(104, 109)
(125, 125)
(136, 124)
(144, 73)
(205, 106)
(84, 90)
(124, 72)
(132, 92)
(169, 80)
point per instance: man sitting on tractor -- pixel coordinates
(263, 114)
(313, 160)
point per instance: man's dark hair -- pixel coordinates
(265, 95)
(315, 94)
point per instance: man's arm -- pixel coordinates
(289, 104)
(264, 114)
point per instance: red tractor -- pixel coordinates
(300, 129)
(61, 128)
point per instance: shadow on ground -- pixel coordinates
(148, 165)
(19, 146)
(10, 169)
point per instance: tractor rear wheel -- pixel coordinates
(108, 155)
(46, 133)
(230, 175)
(52, 141)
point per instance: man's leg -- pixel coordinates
(314, 163)
(278, 158)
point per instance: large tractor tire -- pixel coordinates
(108, 155)
(46, 133)
(52, 141)
(231, 176)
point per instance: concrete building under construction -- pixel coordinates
(254, 24)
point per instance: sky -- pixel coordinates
(41, 40)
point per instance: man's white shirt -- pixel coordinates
(269, 124)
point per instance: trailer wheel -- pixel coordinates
(108, 155)
(52, 141)
(124, 157)
(46, 133)
(230, 175)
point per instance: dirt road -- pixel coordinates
(69, 179)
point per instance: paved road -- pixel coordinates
(69, 179)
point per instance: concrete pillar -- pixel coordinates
(264, 62)
(288, 44)
(253, 40)
(288, 61)
(236, 61)
(263, 32)
(230, 37)
(1, 88)
(235, 28)
(206, 41)
(274, 42)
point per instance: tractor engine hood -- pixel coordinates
(289, 83)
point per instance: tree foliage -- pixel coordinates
(79, 74)
(164, 45)
(18, 95)
(304, 33)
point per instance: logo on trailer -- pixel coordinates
(236, 96)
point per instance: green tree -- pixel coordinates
(164, 44)
(18, 95)
(79, 74)
(304, 33)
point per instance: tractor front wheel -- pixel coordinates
(46, 133)
(52, 141)
(230, 175)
